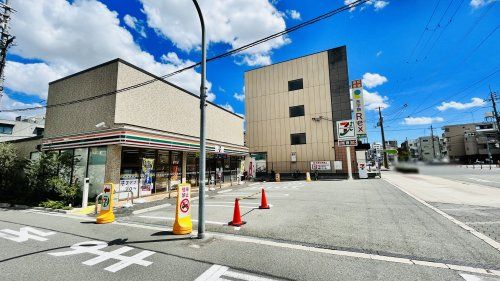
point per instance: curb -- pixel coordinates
(50, 210)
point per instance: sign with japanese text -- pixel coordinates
(320, 166)
(348, 142)
(359, 108)
(346, 130)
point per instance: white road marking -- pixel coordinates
(482, 222)
(226, 206)
(145, 210)
(224, 191)
(24, 235)
(474, 232)
(94, 247)
(468, 277)
(480, 180)
(246, 239)
(217, 272)
(173, 219)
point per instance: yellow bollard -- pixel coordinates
(277, 177)
(106, 214)
(308, 176)
(183, 224)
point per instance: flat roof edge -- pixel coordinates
(143, 71)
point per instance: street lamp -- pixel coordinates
(203, 155)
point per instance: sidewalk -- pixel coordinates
(436, 189)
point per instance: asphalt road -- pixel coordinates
(362, 230)
(476, 175)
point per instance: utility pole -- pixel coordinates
(432, 140)
(495, 112)
(5, 40)
(203, 152)
(381, 123)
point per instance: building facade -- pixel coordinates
(429, 149)
(146, 138)
(291, 111)
(468, 143)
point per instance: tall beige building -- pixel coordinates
(291, 109)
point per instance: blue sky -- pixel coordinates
(403, 57)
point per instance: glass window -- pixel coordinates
(295, 85)
(97, 166)
(65, 170)
(80, 161)
(147, 172)
(298, 138)
(296, 111)
(162, 171)
(175, 168)
(6, 129)
(192, 169)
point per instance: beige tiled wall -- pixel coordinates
(268, 123)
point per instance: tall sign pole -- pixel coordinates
(346, 136)
(203, 155)
(381, 123)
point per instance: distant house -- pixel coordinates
(25, 133)
(21, 128)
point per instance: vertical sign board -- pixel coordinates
(183, 223)
(359, 108)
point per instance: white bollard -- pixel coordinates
(85, 196)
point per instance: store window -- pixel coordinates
(96, 169)
(192, 169)
(80, 162)
(175, 169)
(6, 129)
(146, 183)
(162, 171)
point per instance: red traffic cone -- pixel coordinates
(236, 215)
(263, 201)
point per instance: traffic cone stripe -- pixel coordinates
(237, 215)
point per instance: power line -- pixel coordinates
(226, 54)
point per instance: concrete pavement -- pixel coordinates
(339, 230)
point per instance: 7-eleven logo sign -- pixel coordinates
(345, 130)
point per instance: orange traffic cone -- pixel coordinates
(236, 215)
(263, 201)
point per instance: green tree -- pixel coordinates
(11, 171)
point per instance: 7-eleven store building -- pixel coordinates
(145, 138)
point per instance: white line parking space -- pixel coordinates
(173, 219)
(479, 180)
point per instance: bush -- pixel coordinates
(54, 205)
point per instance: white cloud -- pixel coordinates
(69, 37)
(379, 53)
(227, 106)
(135, 24)
(294, 14)
(475, 102)
(480, 3)
(373, 100)
(371, 80)
(231, 22)
(8, 103)
(377, 4)
(32, 78)
(422, 120)
(239, 97)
